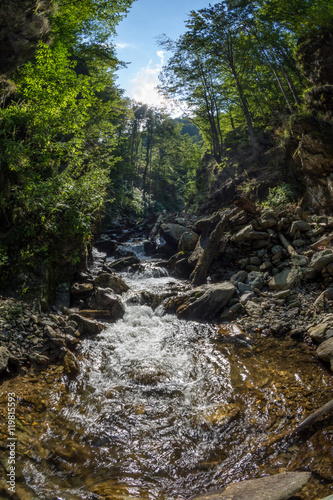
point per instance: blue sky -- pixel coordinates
(136, 43)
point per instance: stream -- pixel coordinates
(164, 408)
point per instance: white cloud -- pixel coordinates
(144, 85)
(121, 45)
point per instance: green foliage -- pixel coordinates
(280, 195)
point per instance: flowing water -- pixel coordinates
(163, 408)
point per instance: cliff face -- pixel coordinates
(23, 23)
(311, 144)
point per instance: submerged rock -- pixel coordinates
(277, 487)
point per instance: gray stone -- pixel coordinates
(204, 302)
(325, 351)
(246, 297)
(242, 288)
(4, 358)
(299, 225)
(299, 260)
(318, 332)
(286, 279)
(268, 220)
(172, 233)
(277, 487)
(299, 242)
(120, 264)
(106, 280)
(260, 244)
(105, 298)
(87, 326)
(239, 277)
(188, 241)
(256, 280)
(276, 249)
(253, 309)
(255, 261)
(321, 259)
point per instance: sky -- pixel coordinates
(136, 43)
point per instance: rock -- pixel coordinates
(317, 332)
(321, 464)
(179, 266)
(286, 279)
(105, 244)
(204, 302)
(120, 264)
(78, 288)
(253, 309)
(268, 220)
(106, 280)
(39, 359)
(256, 280)
(239, 277)
(87, 326)
(4, 358)
(172, 233)
(243, 288)
(278, 487)
(325, 351)
(188, 241)
(299, 260)
(248, 234)
(299, 225)
(71, 364)
(321, 259)
(105, 298)
(220, 415)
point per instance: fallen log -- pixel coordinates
(322, 241)
(290, 249)
(303, 425)
(314, 416)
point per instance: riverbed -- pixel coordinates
(165, 409)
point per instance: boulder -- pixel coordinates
(325, 351)
(318, 332)
(4, 358)
(286, 279)
(105, 244)
(278, 487)
(81, 288)
(204, 302)
(71, 364)
(255, 279)
(268, 220)
(120, 264)
(239, 277)
(299, 225)
(188, 241)
(321, 259)
(86, 326)
(105, 298)
(106, 280)
(172, 233)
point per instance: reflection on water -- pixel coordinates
(162, 409)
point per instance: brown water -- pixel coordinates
(166, 409)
